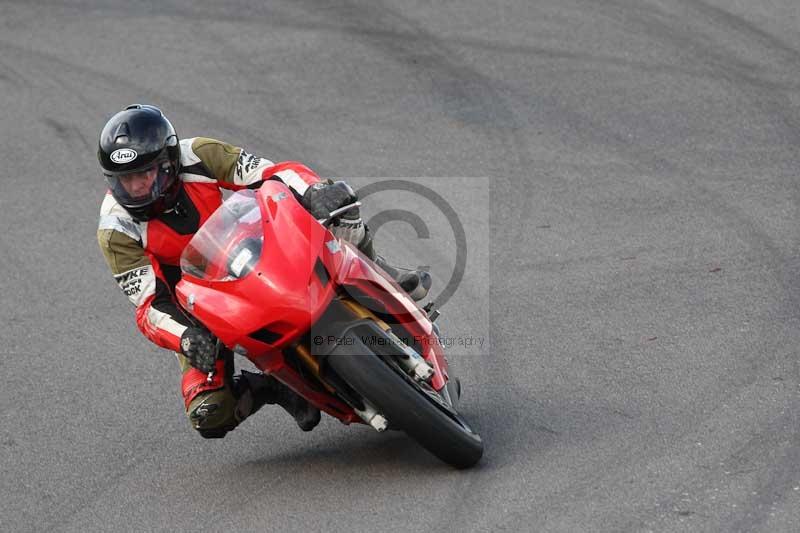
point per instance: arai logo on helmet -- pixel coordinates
(123, 155)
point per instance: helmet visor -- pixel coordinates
(142, 187)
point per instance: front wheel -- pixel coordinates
(406, 404)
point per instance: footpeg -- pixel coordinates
(432, 313)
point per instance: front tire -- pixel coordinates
(439, 430)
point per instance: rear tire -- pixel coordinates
(442, 433)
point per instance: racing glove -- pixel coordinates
(322, 198)
(200, 348)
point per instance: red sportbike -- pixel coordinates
(276, 286)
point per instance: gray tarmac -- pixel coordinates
(626, 175)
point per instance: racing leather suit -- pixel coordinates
(144, 258)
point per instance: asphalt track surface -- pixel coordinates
(630, 198)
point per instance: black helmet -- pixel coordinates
(140, 155)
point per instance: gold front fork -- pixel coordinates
(359, 312)
(362, 312)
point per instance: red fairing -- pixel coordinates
(194, 382)
(164, 245)
(284, 295)
(300, 269)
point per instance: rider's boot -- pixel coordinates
(416, 283)
(256, 390)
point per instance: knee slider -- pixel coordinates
(212, 433)
(213, 412)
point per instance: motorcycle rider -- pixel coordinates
(161, 190)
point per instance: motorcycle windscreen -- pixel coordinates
(228, 246)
